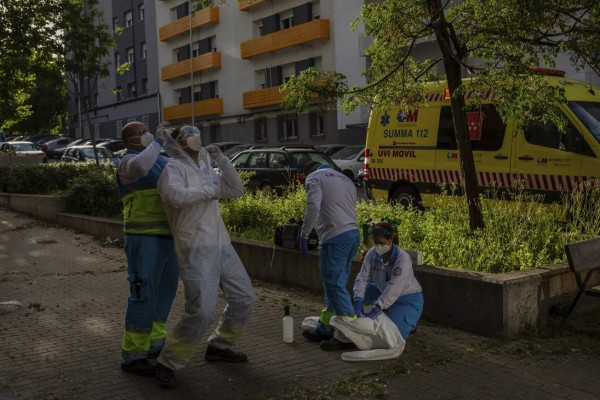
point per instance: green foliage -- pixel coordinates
(519, 234)
(101, 197)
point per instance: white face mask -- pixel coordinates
(147, 139)
(381, 249)
(194, 143)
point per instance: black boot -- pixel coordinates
(141, 367)
(166, 376)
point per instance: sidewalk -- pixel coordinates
(64, 342)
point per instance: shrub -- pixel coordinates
(95, 193)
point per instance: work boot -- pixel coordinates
(316, 336)
(334, 344)
(166, 376)
(141, 367)
(216, 354)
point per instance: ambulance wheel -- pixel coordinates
(406, 196)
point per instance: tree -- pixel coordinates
(496, 41)
(28, 42)
(86, 44)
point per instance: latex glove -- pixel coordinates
(214, 151)
(304, 246)
(374, 312)
(358, 310)
(161, 133)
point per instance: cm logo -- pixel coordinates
(452, 156)
(412, 116)
(542, 161)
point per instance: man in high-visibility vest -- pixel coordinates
(152, 269)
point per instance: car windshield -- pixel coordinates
(347, 153)
(232, 151)
(22, 147)
(588, 113)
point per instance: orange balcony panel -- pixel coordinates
(182, 68)
(247, 4)
(263, 97)
(202, 108)
(307, 32)
(182, 25)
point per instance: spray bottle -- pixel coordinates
(288, 325)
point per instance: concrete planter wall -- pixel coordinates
(487, 304)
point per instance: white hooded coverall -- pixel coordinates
(190, 191)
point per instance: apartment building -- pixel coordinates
(132, 94)
(224, 74)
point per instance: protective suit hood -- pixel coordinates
(175, 150)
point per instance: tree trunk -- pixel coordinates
(451, 57)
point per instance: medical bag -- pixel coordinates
(288, 236)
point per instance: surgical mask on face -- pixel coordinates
(194, 143)
(147, 139)
(381, 249)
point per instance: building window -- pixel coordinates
(128, 18)
(144, 50)
(117, 59)
(144, 86)
(146, 120)
(317, 124)
(131, 90)
(286, 23)
(119, 125)
(141, 11)
(215, 130)
(287, 125)
(130, 57)
(115, 23)
(118, 93)
(260, 129)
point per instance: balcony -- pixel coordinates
(182, 25)
(294, 36)
(245, 5)
(263, 97)
(182, 68)
(202, 108)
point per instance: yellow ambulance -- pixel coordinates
(410, 154)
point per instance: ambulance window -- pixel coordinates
(492, 129)
(589, 113)
(446, 137)
(548, 135)
(488, 129)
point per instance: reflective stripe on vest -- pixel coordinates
(143, 213)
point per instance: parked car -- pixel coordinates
(350, 159)
(112, 144)
(25, 149)
(57, 153)
(35, 139)
(53, 144)
(86, 153)
(329, 149)
(234, 150)
(225, 145)
(277, 167)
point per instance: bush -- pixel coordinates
(518, 234)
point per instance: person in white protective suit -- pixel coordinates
(190, 190)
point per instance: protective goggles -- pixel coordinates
(188, 131)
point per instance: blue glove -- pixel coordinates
(304, 247)
(358, 310)
(374, 312)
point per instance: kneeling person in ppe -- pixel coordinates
(386, 281)
(190, 189)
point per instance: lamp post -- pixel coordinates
(192, 66)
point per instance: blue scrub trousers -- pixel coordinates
(404, 313)
(335, 263)
(153, 275)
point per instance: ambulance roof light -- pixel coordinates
(548, 71)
